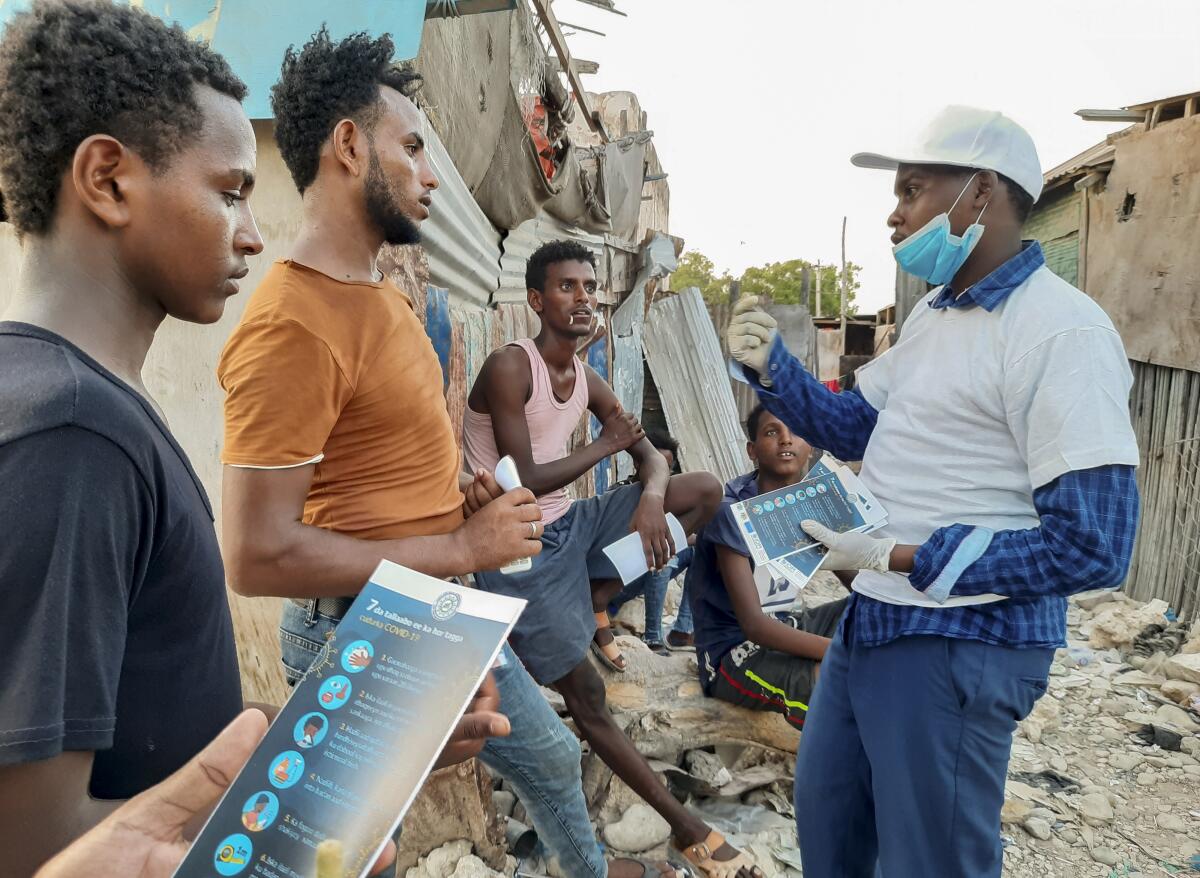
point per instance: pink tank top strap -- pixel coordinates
(542, 389)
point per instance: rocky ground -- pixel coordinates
(1104, 778)
(1088, 794)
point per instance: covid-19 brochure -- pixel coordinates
(349, 751)
(786, 558)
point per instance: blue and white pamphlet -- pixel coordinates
(352, 746)
(831, 494)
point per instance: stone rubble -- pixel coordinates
(1136, 807)
(1087, 795)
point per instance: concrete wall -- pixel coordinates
(181, 375)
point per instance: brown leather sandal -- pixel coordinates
(700, 856)
(609, 653)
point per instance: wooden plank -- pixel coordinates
(1166, 419)
(1085, 206)
(1155, 115)
(1189, 107)
(582, 66)
(559, 43)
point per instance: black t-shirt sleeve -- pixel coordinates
(723, 531)
(84, 515)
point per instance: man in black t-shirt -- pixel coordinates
(125, 162)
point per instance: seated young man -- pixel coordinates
(652, 585)
(747, 656)
(527, 402)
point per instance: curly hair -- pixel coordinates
(73, 68)
(753, 420)
(551, 253)
(326, 82)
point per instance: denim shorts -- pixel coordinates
(552, 636)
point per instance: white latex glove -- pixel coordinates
(852, 550)
(750, 333)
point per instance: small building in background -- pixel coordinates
(1120, 221)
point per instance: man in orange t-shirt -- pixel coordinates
(338, 445)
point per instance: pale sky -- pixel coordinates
(757, 107)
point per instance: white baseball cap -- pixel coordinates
(968, 137)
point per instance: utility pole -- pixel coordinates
(843, 285)
(817, 310)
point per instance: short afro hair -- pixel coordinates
(73, 68)
(1021, 201)
(326, 82)
(753, 420)
(551, 253)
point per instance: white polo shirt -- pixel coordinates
(977, 409)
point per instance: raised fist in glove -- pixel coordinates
(750, 333)
(851, 550)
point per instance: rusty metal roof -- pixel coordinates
(1076, 166)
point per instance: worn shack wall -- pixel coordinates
(1166, 420)
(684, 355)
(1143, 265)
(1055, 223)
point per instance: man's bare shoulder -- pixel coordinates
(505, 365)
(504, 375)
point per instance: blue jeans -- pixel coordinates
(904, 754)
(540, 758)
(653, 586)
(541, 761)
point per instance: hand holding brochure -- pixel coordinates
(349, 751)
(770, 525)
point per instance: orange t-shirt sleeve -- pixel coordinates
(284, 392)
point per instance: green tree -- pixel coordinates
(794, 283)
(697, 270)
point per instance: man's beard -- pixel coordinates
(383, 209)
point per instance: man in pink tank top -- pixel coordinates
(527, 402)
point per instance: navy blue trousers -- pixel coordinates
(904, 754)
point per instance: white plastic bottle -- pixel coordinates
(508, 478)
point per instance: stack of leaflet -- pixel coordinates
(785, 556)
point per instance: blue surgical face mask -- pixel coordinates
(932, 252)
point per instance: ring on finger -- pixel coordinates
(533, 532)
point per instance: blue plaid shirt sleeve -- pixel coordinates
(1085, 541)
(840, 423)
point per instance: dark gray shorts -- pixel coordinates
(553, 633)
(753, 676)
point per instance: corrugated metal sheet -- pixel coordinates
(1062, 257)
(462, 244)
(1100, 154)
(685, 357)
(625, 329)
(1055, 223)
(597, 358)
(519, 244)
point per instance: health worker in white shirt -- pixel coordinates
(996, 435)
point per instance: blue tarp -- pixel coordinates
(254, 34)
(437, 327)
